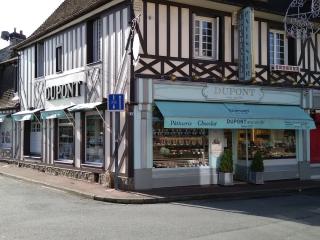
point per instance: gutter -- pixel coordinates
(9, 60)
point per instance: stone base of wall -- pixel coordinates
(6, 153)
(106, 179)
(125, 183)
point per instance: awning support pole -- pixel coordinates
(247, 154)
(71, 121)
(104, 122)
(38, 120)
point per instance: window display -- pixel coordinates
(94, 140)
(173, 148)
(273, 144)
(66, 140)
(6, 130)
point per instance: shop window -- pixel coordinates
(39, 58)
(66, 140)
(174, 148)
(94, 41)
(6, 131)
(94, 140)
(59, 59)
(273, 144)
(278, 47)
(206, 40)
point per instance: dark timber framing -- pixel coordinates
(203, 70)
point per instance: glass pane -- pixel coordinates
(175, 148)
(273, 144)
(94, 140)
(66, 143)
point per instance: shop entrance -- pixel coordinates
(32, 138)
(35, 138)
(315, 141)
(315, 145)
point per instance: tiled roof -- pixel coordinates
(273, 6)
(72, 9)
(6, 102)
(66, 12)
(6, 54)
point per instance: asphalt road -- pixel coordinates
(35, 212)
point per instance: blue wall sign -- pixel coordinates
(116, 102)
(246, 63)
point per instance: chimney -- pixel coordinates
(15, 37)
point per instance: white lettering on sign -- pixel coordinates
(232, 93)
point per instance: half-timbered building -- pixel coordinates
(217, 75)
(200, 77)
(68, 66)
(9, 101)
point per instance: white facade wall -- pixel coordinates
(115, 30)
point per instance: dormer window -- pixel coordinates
(206, 37)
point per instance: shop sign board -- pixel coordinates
(237, 123)
(246, 63)
(68, 90)
(230, 93)
(116, 102)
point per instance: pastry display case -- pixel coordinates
(273, 144)
(173, 148)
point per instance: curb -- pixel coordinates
(72, 191)
(239, 195)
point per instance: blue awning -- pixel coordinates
(3, 117)
(233, 116)
(84, 107)
(25, 115)
(56, 112)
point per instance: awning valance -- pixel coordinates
(84, 107)
(233, 116)
(2, 117)
(56, 112)
(25, 115)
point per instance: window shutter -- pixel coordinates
(216, 38)
(291, 51)
(89, 42)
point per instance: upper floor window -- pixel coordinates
(59, 59)
(94, 41)
(278, 47)
(39, 71)
(206, 32)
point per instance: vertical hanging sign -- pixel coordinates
(246, 61)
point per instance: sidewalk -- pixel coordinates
(163, 195)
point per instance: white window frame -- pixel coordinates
(215, 37)
(274, 47)
(35, 126)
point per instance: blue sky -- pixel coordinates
(25, 15)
